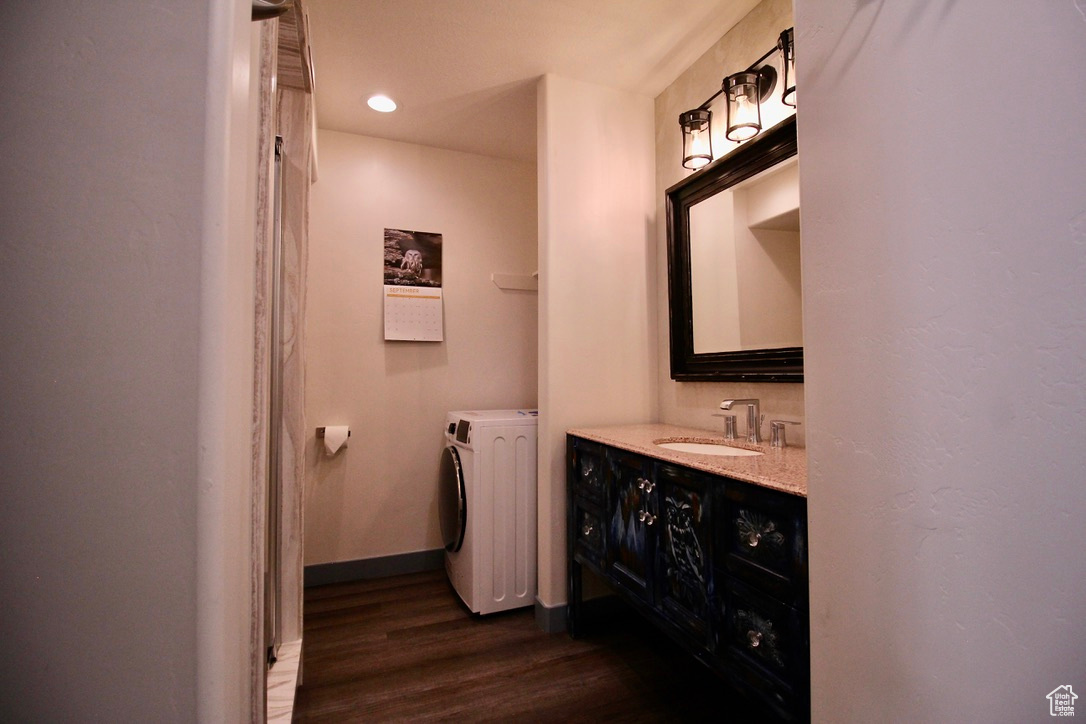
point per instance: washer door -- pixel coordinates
(452, 502)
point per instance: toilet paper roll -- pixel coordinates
(335, 437)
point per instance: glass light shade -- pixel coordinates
(787, 46)
(744, 108)
(697, 138)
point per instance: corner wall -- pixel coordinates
(378, 496)
(944, 272)
(226, 648)
(126, 229)
(597, 284)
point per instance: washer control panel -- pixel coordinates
(463, 431)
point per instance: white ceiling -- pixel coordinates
(463, 71)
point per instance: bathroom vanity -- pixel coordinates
(712, 549)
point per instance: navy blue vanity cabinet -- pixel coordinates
(631, 520)
(718, 564)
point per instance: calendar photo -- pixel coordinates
(414, 308)
(412, 258)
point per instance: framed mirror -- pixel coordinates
(734, 265)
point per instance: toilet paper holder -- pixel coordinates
(320, 432)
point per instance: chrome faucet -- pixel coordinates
(754, 417)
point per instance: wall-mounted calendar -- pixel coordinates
(414, 309)
(413, 314)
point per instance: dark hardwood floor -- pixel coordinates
(406, 649)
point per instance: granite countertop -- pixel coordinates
(783, 469)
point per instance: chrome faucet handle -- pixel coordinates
(776, 432)
(729, 426)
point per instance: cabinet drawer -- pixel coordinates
(764, 539)
(588, 534)
(586, 473)
(763, 637)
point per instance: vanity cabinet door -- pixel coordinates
(763, 539)
(631, 519)
(587, 470)
(765, 643)
(683, 550)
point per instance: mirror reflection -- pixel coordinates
(745, 265)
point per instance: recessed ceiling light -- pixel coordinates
(384, 104)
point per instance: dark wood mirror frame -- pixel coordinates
(769, 365)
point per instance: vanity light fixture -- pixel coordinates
(745, 91)
(787, 45)
(381, 103)
(697, 137)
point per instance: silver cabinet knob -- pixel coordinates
(646, 485)
(586, 530)
(753, 539)
(754, 638)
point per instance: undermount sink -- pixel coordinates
(704, 448)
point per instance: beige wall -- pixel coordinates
(378, 496)
(597, 284)
(692, 403)
(944, 277)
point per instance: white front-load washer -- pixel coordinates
(487, 506)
